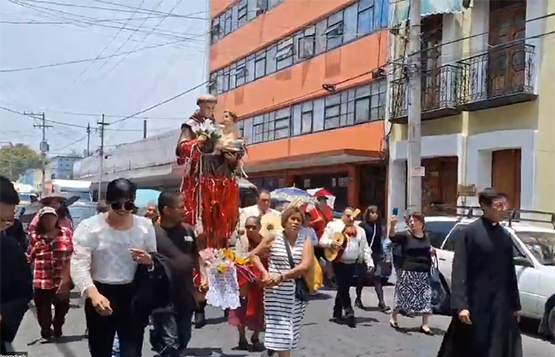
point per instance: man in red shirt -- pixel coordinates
(320, 216)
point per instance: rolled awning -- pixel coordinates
(429, 7)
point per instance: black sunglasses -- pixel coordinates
(127, 205)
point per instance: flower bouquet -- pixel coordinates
(208, 129)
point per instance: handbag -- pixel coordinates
(302, 292)
(440, 294)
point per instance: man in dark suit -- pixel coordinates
(176, 240)
(16, 286)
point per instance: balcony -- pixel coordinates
(439, 94)
(501, 76)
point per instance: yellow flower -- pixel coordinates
(229, 255)
(221, 268)
(240, 261)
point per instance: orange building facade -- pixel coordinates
(304, 78)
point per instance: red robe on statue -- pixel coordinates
(209, 187)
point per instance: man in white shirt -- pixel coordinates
(259, 209)
(108, 248)
(356, 250)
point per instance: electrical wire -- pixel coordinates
(160, 103)
(141, 10)
(71, 144)
(144, 38)
(68, 23)
(58, 64)
(102, 52)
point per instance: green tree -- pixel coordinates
(16, 159)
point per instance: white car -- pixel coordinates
(534, 254)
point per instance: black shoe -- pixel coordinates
(351, 322)
(337, 318)
(426, 331)
(200, 320)
(358, 303)
(257, 346)
(243, 345)
(384, 308)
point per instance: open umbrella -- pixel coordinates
(292, 194)
(317, 192)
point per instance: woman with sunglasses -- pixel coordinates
(108, 249)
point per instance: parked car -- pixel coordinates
(534, 256)
(80, 211)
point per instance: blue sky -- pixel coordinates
(42, 32)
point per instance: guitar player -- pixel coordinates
(355, 249)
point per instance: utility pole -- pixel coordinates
(144, 128)
(44, 147)
(414, 167)
(102, 124)
(88, 139)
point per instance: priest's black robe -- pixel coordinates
(484, 282)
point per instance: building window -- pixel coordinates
(225, 80)
(332, 111)
(215, 31)
(362, 104)
(307, 114)
(284, 54)
(228, 22)
(307, 44)
(240, 75)
(281, 123)
(242, 13)
(261, 7)
(271, 60)
(260, 65)
(212, 87)
(334, 31)
(241, 128)
(377, 100)
(365, 17)
(258, 129)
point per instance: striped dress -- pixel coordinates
(283, 311)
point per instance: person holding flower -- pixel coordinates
(251, 313)
(290, 256)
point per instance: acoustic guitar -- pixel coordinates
(332, 254)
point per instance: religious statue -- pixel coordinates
(211, 155)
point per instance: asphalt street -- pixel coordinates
(319, 337)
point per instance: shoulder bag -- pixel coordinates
(301, 288)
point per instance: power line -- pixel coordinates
(62, 123)
(86, 59)
(161, 103)
(71, 144)
(142, 10)
(70, 23)
(103, 50)
(144, 38)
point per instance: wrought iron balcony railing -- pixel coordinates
(501, 76)
(439, 94)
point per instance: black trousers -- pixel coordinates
(171, 332)
(102, 329)
(44, 299)
(344, 274)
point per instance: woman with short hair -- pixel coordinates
(290, 257)
(413, 292)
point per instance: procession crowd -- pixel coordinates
(131, 268)
(261, 266)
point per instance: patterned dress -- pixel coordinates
(284, 312)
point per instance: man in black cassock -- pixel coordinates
(484, 295)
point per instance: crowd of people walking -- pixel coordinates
(134, 270)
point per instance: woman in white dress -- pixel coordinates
(283, 310)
